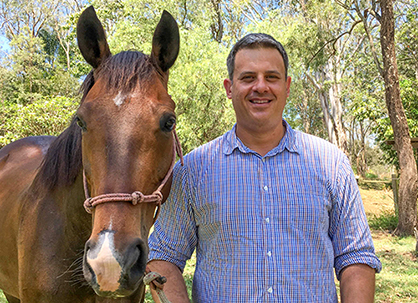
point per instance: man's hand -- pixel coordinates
(175, 288)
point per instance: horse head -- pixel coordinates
(127, 121)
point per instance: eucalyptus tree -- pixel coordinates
(408, 187)
(34, 65)
(376, 16)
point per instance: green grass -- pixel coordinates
(398, 281)
(386, 220)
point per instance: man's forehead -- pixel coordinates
(249, 58)
(257, 48)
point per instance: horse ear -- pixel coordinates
(166, 42)
(92, 38)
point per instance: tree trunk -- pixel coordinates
(331, 104)
(408, 167)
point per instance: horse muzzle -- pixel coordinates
(113, 272)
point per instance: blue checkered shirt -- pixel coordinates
(265, 229)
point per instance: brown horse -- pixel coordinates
(121, 141)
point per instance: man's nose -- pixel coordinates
(261, 85)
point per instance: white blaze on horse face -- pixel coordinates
(105, 266)
(119, 99)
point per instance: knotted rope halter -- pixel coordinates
(136, 197)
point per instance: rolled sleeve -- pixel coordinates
(364, 257)
(349, 230)
(174, 236)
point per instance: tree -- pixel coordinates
(408, 167)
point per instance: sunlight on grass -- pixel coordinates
(398, 281)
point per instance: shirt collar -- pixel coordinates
(288, 142)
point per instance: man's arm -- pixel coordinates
(357, 284)
(175, 288)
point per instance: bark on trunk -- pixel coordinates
(331, 105)
(408, 167)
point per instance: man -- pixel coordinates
(271, 211)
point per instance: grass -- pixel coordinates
(398, 281)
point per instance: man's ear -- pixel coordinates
(288, 81)
(228, 87)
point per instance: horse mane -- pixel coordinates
(63, 160)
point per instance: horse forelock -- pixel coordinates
(122, 72)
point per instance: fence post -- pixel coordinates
(395, 191)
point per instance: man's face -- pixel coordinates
(259, 89)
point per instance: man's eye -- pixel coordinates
(247, 78)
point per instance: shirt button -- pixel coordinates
(265, 188)
(267, 220)
(270, 290)
(269, 253)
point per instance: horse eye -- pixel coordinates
(81, 124)
(167, 123)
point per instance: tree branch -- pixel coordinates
(333, 41)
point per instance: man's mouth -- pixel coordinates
(262, 101)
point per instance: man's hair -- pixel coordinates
(254, 41)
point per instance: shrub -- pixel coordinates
(47, 116)
(385, 221)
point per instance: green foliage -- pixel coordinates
(29, 73)
(47, 116)
(2, 298)
(45, 61)
(195, 84)
(371, 176)
(383, 128)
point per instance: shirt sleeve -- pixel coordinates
(349, 230)
(174, 236)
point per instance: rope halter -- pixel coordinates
(136, 197)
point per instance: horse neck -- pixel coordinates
(71, 199)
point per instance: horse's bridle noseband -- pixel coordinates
(136, 197)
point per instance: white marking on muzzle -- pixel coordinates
(105, 266)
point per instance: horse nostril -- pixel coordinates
(87, 270)
(87, 246)
(136, 258)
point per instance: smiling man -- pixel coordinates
(272, 212)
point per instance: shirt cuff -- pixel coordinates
(160, 255)
(348, 259)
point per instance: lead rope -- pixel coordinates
(156, 282)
